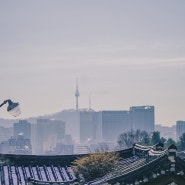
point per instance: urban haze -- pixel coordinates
(123, 53)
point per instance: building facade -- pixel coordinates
(72, 123)
(142, 118)
(180, 128)
(5, 133)
(90, 126)
(114, 123)
(22, 127)
(49, 133)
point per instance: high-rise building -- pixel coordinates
(114, 123)
(90, 126)
(22, 127)
(72, 123)
(5, 133)
(180, 128)
(49, 132)
(143, 118)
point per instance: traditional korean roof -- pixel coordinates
(139, 165)
(13, 174)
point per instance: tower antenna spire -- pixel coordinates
(77, 94)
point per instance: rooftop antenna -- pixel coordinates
(77, 94)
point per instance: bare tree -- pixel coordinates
(127, 139)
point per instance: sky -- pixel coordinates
(123, 52)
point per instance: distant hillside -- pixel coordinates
(7, 122)
(10, 122)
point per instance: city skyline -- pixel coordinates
(123, 53)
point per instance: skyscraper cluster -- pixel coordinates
(71, 130)
(90, 126)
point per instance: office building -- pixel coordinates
(180, 128)
(22, 127)
(49, 133)
(114, 123)
(90, 126)
(72, 123)
(142, 118)
(5, 133)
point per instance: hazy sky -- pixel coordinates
(123, 52)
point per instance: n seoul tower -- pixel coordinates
(77, 94)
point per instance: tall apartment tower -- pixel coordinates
(180, 128)
(77, 94)
(143, 118)
(22, 127)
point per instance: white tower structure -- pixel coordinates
(77, 94)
